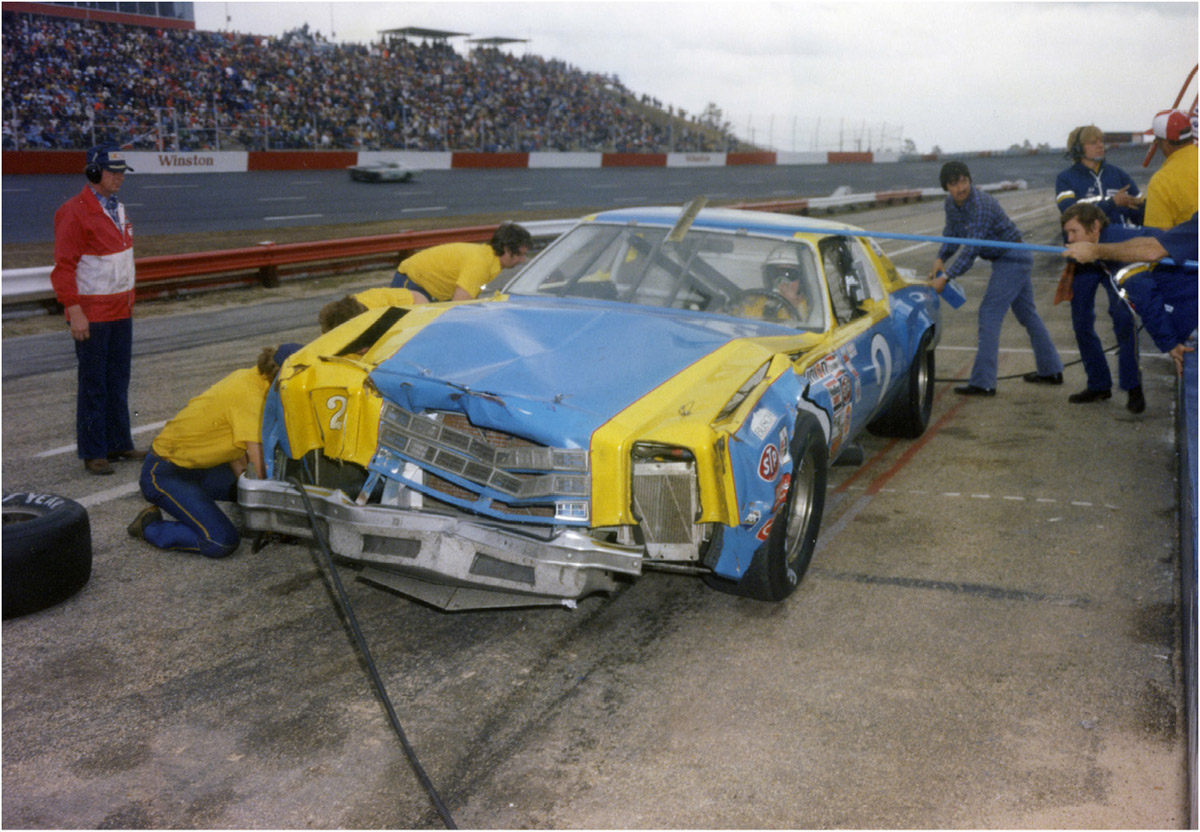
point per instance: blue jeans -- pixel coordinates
(102, 401)
(1010, 287)
(1083, 318)
(190, 495)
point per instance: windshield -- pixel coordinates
(730, 274)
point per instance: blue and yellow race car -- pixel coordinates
(658, 389)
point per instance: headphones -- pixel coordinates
(93, 172)
(1075, 151)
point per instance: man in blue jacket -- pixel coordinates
(1164, 296)
(1092, 179)
(973, 214)
(1086, 222)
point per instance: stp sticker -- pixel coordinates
(768, 463)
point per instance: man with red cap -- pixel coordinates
(1171, 194)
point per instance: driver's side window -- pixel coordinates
(846, 288)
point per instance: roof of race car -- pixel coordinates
(720, 219)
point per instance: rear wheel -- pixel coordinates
(908, 414)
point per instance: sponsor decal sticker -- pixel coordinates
(762, 421)
(768, 463)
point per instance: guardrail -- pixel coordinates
(269, 263)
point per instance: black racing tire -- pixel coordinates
(780, 563)
(47, 554)
(908, 414)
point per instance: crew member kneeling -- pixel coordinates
(199, 455)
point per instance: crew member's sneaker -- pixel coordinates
(1088, 396)
(148, 515)
(1137, 402)
(99, 467)
(972, 390)
(1034, 378)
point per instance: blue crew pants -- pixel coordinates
(1091, 351)
(102, 401)
(1010, 287)
(190, 495)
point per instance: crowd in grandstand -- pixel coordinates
(71, 84)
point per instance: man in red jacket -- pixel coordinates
(93, 280)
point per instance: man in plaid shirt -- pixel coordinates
(973, 214)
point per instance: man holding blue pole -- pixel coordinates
(971, 213)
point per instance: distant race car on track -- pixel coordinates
(656, 390)
(381, 172)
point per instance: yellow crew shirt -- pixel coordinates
(1171, 194)
(381, 297)
(214, 427)
(442, 269)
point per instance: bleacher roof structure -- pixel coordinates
(427, 34)
(497, 41)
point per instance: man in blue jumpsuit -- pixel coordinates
(971, 213)
(1084, 222)
(1113, 194)
(1164, 296)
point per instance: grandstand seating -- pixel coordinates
(68, 84)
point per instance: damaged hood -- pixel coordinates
(549, 370)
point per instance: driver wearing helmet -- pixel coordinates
(783, 276)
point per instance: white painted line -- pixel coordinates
(539, 202)
(293, 217)
(281, 198)
(68, 448)
(427, 208)
(109, 494)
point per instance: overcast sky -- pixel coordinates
(800, 75)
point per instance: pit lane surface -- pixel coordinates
(988, 637)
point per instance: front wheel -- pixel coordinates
(794, 534)
(780, 563)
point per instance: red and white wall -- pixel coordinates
(142, 161)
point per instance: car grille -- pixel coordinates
(666, 502)
(490, 469)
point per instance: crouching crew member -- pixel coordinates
(1084, 222)
(199, 455)
(1163, 296)
(337, 312)
(459, 271)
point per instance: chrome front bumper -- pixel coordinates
(450, 561)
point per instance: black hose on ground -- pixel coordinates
(361, 641)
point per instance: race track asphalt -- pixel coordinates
(988, 637)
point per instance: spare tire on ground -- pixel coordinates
(47, 551)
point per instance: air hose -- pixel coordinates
(361, 642)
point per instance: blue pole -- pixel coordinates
(965, 241)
